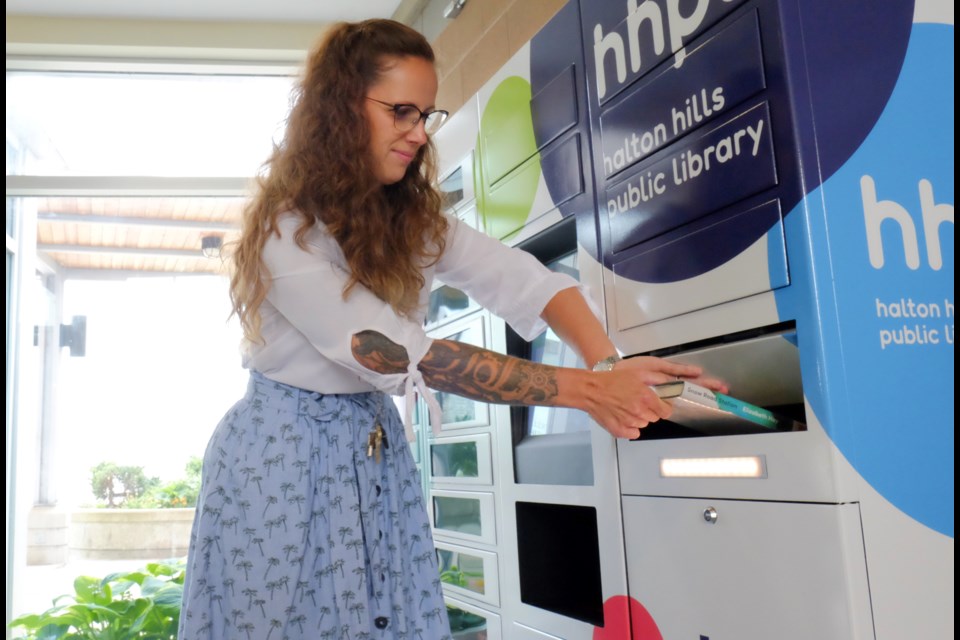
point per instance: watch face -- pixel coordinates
(606, 364)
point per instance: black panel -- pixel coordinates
(559, 553)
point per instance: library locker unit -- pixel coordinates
(760, 187)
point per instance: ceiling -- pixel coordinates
(139, 235)
(136, 235)
(206, 10)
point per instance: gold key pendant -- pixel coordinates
(374, 441)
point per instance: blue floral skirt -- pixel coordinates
(300, 534)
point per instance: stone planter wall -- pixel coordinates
(47, 531)
(116, 534)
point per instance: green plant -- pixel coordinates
(146, 493)
(454, 576)
(461, 620)
(111, 482)
(137, 604)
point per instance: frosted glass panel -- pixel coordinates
(461, 570)
(466, 625)
(456, 460)
(457, 514)
(460, 412)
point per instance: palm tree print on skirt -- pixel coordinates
(300, 534)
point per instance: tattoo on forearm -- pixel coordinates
(464, 369)
(378, 353)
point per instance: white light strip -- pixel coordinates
(742, 467)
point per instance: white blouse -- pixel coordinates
(307, 325)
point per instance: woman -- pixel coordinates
(310, 522)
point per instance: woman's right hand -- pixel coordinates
(660, 371)
(621, 401)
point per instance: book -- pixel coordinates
(699, 408)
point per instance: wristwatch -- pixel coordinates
(607, 363)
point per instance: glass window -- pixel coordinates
(462, 570)
(139, 124)
(461, 460)
(455, 460)
(82, 133)
(161, 343)
(548, 348)
(447, 303)
(451, 189)
(466, 625)
(460, 412)
(457, 514)
(457, 409)
(13, 160)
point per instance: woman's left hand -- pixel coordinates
(658, 371)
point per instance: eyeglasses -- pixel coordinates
(407, 116)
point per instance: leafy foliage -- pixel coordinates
(138, 604)
(150, 494)
(461, 620)
(117, 484)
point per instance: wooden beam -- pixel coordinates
(130, 251)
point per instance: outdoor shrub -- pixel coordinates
(117, 484)
(139, 492)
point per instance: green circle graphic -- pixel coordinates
(508, 167)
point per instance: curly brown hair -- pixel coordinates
(322, 171)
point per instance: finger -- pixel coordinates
(669, 412)
(632, 433)
(629, 431)
(667, 377)
(652, 408)
(659, 411)
(682, 370)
